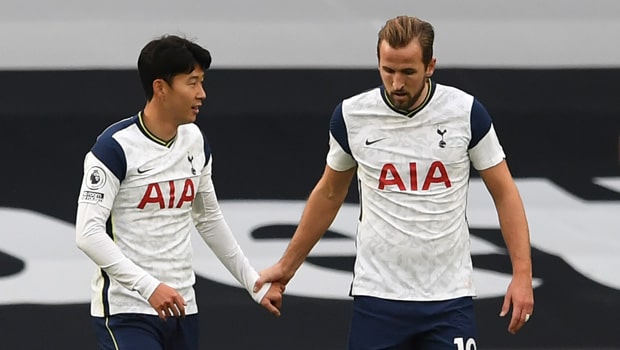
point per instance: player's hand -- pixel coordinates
(167, 302)
(275, 273)
(272, 301)
(520, 295)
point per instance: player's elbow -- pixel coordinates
(336, 196)
(80, 240)
(331, 192)
(83, 237)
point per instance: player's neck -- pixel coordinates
(157, 124)
(422, 96)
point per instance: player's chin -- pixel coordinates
(403, 106)
(401, 101)
(191, 117)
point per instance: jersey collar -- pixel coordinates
(411, 113)
(150, 135)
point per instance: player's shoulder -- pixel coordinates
(450, 90)
(117, 127)
(107, 138)
(191, 131)
(361, 101)
(190, 128)
(451, 96)
(370, 94)
(107, 148)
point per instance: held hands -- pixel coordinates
(167, 302)
(272, 301)
(275, 273)
(520, 295)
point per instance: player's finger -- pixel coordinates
(259, 284)
(271, 274)
(162, 313)
(179, 306)
(505, 306)
(169, 311)
(274, 311)
(181, 309)
(278, 304)
(174, 310)
(271, 308)
(277, 301)
(513, 326)
(517, 321)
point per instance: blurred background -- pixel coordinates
(547, 71)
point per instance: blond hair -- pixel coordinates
(398, 32)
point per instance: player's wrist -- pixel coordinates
(146, 286)
(287, 269)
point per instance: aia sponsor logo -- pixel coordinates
(165, 195)
(436, 174)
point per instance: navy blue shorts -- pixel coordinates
(421, 325)
(147, 332)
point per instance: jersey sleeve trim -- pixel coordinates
(480, 122)
(109, 151)
(111, 154)
(338, 128)
(207, 148)
(488, 152)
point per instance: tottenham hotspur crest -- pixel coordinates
(442, 143)
(190, 159)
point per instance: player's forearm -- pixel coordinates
(319, 213)
(515, 231)
(93, 240)
(215, 232)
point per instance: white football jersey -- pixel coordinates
(413, 171)
(150, 190)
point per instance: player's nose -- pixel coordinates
(397, 83)
(202, 93)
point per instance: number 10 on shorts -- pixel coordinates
(462, 345)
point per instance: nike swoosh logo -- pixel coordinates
(368, 142)
(142, 171)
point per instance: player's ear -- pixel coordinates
(159, 87)
(430, 69)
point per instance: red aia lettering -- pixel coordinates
(188, 193)
(442, 177)
(154, 194)
(395, 177)
(437, 173)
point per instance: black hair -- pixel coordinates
(167, 56)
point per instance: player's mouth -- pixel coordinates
(196, 108)
(401, 95)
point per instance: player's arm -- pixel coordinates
(319, 213)
(514, 227)
(322, 206)
(487, 156)
(214, 230)
(94, 206)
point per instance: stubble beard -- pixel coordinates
(410, 101)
